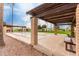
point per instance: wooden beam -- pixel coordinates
(60, 21)
(72, 30)
(63, 19)
(47, 7)
(59, 9)
(61, 15)
(62, 12)
(41, 8)
(55, 28)
(73, 27)
(64, 23)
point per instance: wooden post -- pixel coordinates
(72, 30)
(34, 34)
(77, 30)
(55, 28)
(1, 24)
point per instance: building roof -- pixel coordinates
(15, 26)
(55, 12)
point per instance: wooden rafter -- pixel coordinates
(61, 15)
(62, 12)
(56, 10)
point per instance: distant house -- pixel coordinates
(9, 28)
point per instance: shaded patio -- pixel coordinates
(54, 13)
(48, 44)
(16, 47)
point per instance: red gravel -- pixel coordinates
(14, 47)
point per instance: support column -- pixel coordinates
(72, 30)
(55, 28)
(77, 30)
(34, 31)
(1, 25)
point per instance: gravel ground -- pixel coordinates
(14, 47)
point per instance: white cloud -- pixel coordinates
(41, 22)
(26, 18)
(21, 9)
(28, 25)
(26, 6)
(7, 6)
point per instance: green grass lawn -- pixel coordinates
(15, 30)
(51, 32)
(59, 32)
(64, 32)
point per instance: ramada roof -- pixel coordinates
(55, 12)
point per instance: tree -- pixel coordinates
(44, 26)
(4, 23)
(39, 27)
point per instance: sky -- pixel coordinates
(20, 18)
(19, 13)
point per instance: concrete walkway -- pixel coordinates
(53, 45)
(49, 44)
(15, 47)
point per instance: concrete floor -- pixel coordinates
(14, 47)
(55, 45)
(49, 44)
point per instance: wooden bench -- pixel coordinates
(71, 44)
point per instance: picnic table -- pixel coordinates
(71, 42)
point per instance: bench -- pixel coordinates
(71, 42)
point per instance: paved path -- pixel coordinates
(47, 43)
(55, 45)
(14, 47)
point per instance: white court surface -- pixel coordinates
(25, 36)
(49, 44)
